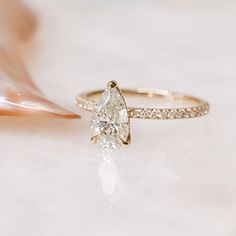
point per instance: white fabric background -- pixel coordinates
(177, 177)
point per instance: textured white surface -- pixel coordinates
(177, 177)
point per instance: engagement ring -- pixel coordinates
(111, 116)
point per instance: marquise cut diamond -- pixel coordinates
(110, 121)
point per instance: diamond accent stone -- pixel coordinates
(110, 121)
(200, 109)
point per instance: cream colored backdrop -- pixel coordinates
(177, 177)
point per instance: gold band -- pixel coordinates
(196, 108)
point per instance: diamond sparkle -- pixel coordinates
(110, 121)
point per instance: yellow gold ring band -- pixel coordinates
(110, 122)
(195, 107)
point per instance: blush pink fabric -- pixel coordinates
(18, 93)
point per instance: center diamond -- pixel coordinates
(110, 121)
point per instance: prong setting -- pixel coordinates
(94, 139)
(127, 142)
(110, 121)
(112, 84)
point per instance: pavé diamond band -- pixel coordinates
(111, 116)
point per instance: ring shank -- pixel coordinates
(197, 106)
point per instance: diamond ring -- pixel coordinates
(110, 122)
